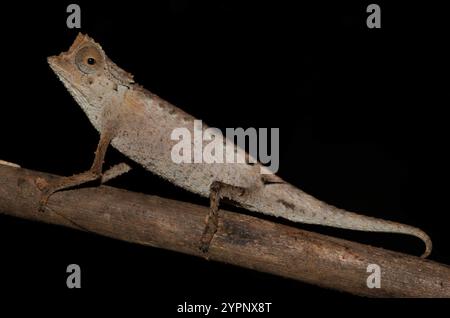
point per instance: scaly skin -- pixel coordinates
(141, 124)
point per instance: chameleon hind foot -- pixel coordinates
(212, 219)
(218, 190)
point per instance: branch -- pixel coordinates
(241, 240)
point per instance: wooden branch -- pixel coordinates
(241, 240)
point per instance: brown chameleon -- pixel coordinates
(139, 124)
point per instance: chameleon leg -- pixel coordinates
(218, 190)
(94, 173)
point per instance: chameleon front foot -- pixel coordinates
(63, 183)
(44, 200)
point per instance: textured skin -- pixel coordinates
(142, 122)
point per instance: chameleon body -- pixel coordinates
(140, 124)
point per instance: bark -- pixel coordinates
(241, 240)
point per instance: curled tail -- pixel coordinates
(349, 220)
(286, 201)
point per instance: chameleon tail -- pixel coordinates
(335, 217)
(297, 206)
(354, 221)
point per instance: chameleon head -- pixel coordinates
(88, 74)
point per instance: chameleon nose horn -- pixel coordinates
(51, 59)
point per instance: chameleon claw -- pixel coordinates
(209, 232)
(43, 185)
(204, 247)
(44, 200)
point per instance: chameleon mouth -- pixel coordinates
(53, 63)
(68, 83)
(62, 76)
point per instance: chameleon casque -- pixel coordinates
(139, 124)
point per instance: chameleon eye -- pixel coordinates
(89, 59)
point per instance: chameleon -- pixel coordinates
(139, 123)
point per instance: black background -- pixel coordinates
(361, 115)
